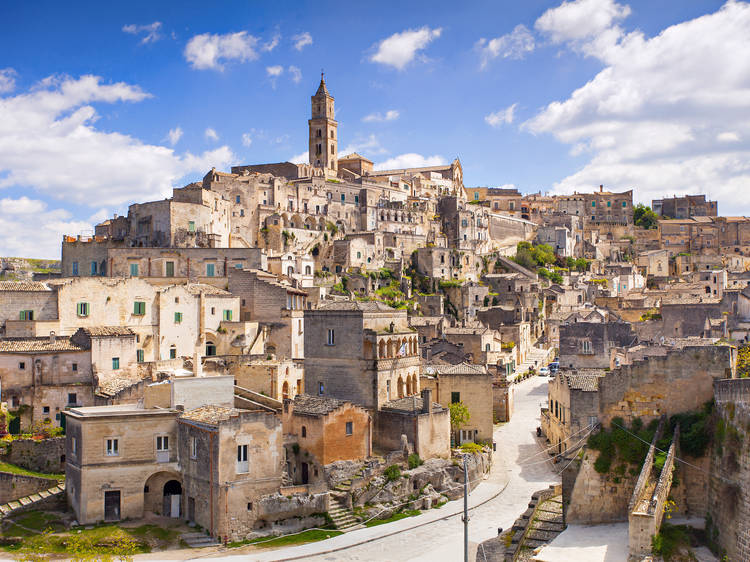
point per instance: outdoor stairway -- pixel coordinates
(346, 485)
(199, 540)
(537, 355)
(10, 507)
(343, 518)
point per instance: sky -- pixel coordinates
(103, 104)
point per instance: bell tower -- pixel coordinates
(323, 147)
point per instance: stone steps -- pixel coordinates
(199, 540)
(8, 508)
(343, 518)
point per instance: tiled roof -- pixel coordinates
(367, 306)
(108, 331)
(459, 369)
(689, 299)
(467, 331)
(585, 382)
(38, 345)
(204, 288)
(409, 404)
(315, 405)
(211, 414)
(424, 320)
(111, 384)
(23, 286)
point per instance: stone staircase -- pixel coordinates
(343, 518)
(536, 354)
(28, 501)
(199, 540)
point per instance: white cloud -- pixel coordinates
(174, 135)
(501, 117)
(274, 71)
(150, 32)
(513, 45)
(400, 49)
(211, 134)
(367, 145)
(409, 160)
(272, 44)
(7, 80)
(390, 115)
(302, 40)
(247, 140)
(666, 114)
(301, 158)
(49, 145)
(296, 74)
(589, 25)
(32, 230)
(210, 50)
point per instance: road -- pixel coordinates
(504, 495)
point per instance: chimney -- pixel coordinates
(601, 188)
(426, 401)
(52, 337)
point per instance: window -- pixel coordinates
(343, 197)
(455, 397)
(74, 268)
(331, 338)
(72, 398)
(22, 365)
(333, 149)
(304, 431)
(213, 311)
(586, 346)
(227, 316)
(210, 269)
(26, 315)
(139, 308)
(238, 266)
(359, 255)
(73, 445)
(113, 448)
(210, 348)
(593, 203)
(115, 363)
(476, 196)
(609, 203)
(356, 199)
(45, 409)
(349, 428)
(624, 203)
(177, 317)
(169, 269)
(134, 270)
(93, 268)
(162, 442)
(320, 389)
(173, 352)
(193, 447)
(82, 309)
(191, 226)
(242, 464)
(464, 223)
(74, 367)
(237, 199)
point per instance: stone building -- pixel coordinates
(586, 339)
(362, 352)
(470, 385)
(685, 207)
(424, 423)
(324, 430)
(598, 208)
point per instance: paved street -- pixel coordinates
(412, 539)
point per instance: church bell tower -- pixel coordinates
(323, 147)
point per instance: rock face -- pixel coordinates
(20, 269)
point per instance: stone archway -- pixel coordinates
(162, 494)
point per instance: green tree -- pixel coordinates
(459, 414)
(644, 217)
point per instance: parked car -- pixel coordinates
(544, 372)
(554, 367)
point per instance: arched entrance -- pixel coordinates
(171, 498)
(285, 390)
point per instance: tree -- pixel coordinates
(644, 217)
(459, 414)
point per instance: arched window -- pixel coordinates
(290, 271)
(308, 270)
(210, 348)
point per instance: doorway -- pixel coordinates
(112, 506)
(172, 496)
(305, 473)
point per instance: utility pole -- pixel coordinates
(466, 510)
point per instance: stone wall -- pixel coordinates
(729, 487)
(45, 455)
(15, 486)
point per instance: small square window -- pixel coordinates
(22, 365)
(82, 309)
(74, 367)
(115, 363)
(139, 308)
(177, 317)
(227, 315)
(113, 447)
(455, 397)
(45, 409)
(72, 398)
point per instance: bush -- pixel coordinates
(392, 473)
(414, 461)
(471, 448)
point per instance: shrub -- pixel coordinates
(392, 473)
(471, 448)
(414, 461)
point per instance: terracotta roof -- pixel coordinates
(424, 320)
(459, 369)
(479, 330)
(409, 404)
(308, 405)
(108, 331)
(585, 382)
(23, 286)
(366, 306)
(38, 345)
(111, 384)
(204, 288)
(211, 414)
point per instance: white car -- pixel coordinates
(544, 371)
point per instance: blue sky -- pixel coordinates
(104, 104)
